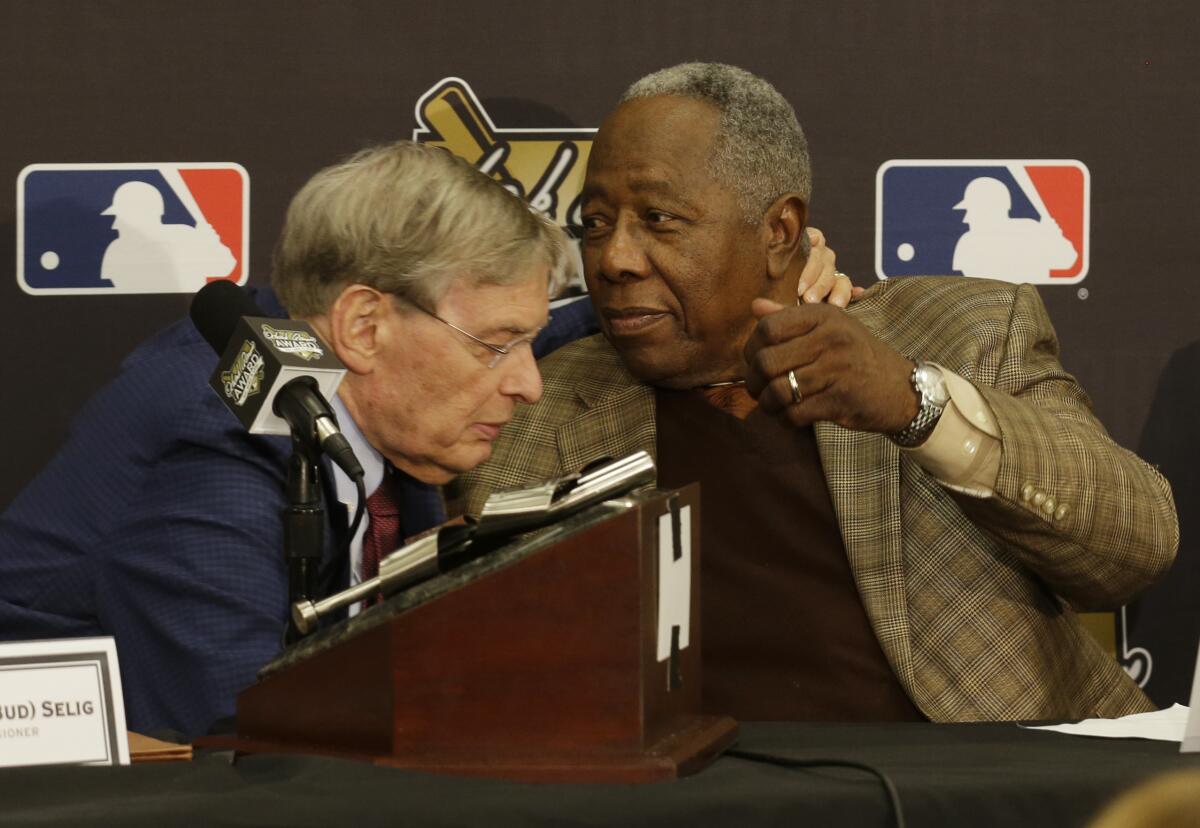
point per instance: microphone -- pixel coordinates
(275, 375)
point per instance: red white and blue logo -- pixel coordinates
(131, 228)
(1015, 220)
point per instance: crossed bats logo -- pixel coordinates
(543, 166)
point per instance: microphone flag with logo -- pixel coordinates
(275, 375)
(260, 355)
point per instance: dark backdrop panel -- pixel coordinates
(283, 88)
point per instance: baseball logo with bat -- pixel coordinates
(545, 166)
(1016, 220)
(131, 228)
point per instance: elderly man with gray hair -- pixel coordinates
(159, 521)
(904, 501)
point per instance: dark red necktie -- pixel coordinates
(384, 533)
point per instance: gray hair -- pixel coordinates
(407, 219)
(759, 151)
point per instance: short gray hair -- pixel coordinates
(759, 151)
(407, 219)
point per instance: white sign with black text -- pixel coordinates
(61, 703)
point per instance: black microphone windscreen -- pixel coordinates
(216, 309)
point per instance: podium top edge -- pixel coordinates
(529, 544)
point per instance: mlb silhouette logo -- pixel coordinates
(1015, 220)
(131, 228)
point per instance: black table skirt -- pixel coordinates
(970, 774)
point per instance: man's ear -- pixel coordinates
(783, 226)
(356, 326)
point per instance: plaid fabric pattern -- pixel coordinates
(970, 598)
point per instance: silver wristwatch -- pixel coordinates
(930, 385)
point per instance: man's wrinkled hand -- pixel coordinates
(844, 373)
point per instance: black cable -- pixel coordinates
(340, 559)
(787, 762)
(344, 552)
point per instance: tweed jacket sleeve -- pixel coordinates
(1112, 530)
(966, 595)
(1091, 519)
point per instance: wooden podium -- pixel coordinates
(540, 662)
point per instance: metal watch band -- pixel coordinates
(928, 414)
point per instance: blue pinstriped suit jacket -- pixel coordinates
(159, 523)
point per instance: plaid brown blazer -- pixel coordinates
(970, 598)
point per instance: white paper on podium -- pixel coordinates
(1191, 735)
(1163, 725)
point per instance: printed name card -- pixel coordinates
(61, 703)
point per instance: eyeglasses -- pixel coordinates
(499, 352)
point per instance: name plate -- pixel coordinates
(61, 703)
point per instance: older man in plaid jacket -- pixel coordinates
(904, 501)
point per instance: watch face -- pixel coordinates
(932, 384)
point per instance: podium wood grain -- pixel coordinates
(542, 670)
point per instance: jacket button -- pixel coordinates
(1027, 492)
(1039, 498)
(1048, 506)
(1061, 511)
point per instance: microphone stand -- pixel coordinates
(303, 526)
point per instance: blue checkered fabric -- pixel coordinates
(159, 523)
(571, 320)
